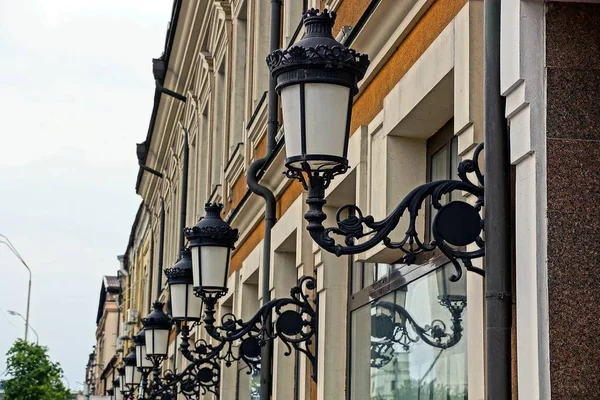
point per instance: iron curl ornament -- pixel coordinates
(197, 379)
(456, 225)
(293, 320)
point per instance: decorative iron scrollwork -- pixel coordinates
(456, 225)
(292, 319)
(198, 378)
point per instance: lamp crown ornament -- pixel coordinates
(318, 57)
(181, 272)
(140, 338)
(130, 359)
(212, 227)
(157, 319)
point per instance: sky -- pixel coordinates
(76, 94)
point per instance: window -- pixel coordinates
(389, 357)
(239, 59)
(442, 163)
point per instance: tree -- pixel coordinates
(33, 376)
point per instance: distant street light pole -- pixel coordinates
(37, 338)
(12, 248)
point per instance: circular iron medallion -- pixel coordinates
(457, 223)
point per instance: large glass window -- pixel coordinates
(390, 358)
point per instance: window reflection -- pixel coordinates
(248, 385)
(409, 344)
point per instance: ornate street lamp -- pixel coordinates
(122, 387)
(317, 80)
(132, 374)
(211, 241)
(184, 305)
(142, 362)
(311, 77)
(157, 327)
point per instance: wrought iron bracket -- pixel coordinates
(456, 225)
(293, 320)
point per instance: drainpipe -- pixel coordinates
(497, 217)
(161, 247)
(151, 263)
(184, 186)
(266, 355)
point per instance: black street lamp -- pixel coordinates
(144, 364)
(142, 361)
(316, 151)
(211, 241)
(317, 80)
(157, 327)
(180, 278)
(122, 387)
(132, 375)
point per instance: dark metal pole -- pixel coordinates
(184, 187)
(266, 360)
(497, 217)
(151, 263)
(161, 247)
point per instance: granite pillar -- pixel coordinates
(573, 173)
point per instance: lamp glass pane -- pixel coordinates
(196, 265)
(132, 375)
(179, 299)
(157, 342)
(118, 395)
(326, 121)
(142, 361)
(214, 263)
(290, 104)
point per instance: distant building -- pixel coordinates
(101, 369)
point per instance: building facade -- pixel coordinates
(419, 111)
(102, 362)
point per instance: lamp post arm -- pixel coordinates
(361, 233)
(12, 248)
(294, 322)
